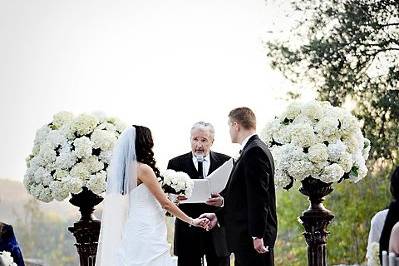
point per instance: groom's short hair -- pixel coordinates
(243, 116)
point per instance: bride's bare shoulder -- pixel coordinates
(144, 169)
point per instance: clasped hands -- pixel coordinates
(210, 221)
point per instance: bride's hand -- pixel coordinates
(201, 222)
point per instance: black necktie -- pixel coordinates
(200, 170)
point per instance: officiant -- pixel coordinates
(191, 244)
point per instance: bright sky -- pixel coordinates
(164, 64)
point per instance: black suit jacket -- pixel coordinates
(187, 239)
(249, 198)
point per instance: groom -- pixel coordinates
(249, 212)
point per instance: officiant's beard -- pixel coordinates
(199, 153)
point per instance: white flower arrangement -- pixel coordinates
(69, 153)
(6, 259)
(373, 254)
(318, 140)
(177, 183)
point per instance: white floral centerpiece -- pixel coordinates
(70, 153)
(177, 183)
(317, 140)
(6, 259)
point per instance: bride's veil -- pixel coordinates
(121, 179)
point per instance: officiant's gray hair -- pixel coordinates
(204, 126)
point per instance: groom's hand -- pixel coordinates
(259, 246)
(215, 200)
(213, 220)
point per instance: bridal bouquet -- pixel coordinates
(6, 259)
(317, 140)
(69, 153)
(177, 183)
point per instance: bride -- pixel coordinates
(133, 228)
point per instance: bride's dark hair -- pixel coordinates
(144, 145)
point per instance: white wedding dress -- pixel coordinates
(144, 237)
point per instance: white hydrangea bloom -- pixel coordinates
(270, 130)
(35, 150)
(45, 195)
(293, 110)
(359, 169)
(41, 135)
(327, 128)
(302, 135)
(105, 156)
(40, 175)
(83, 147)
(281, 179)
(300, 169)
(303, 119)
(56, 138)
(283, 135)
(67, 131)
(336, 150)
(93, 164)
(61, 119)
(288, 154)
(332, 173)
(103, 139)
(73, 185)
(313, 110)
(60, 174)
(84, 124)
(353, 143)
(349, 124)
(97, 183)
(65, 160)
(80, 171)
(106, 126)
(46, 154)
(346, 162)
(318, 153)
(59, 191)
(318, 169)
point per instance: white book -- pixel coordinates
(213, 183)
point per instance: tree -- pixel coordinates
(349, 49)
(44, 236)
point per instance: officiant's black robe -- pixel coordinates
(190, 241)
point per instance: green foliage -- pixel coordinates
(353, 206)
(348, 48)
(44, 236)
